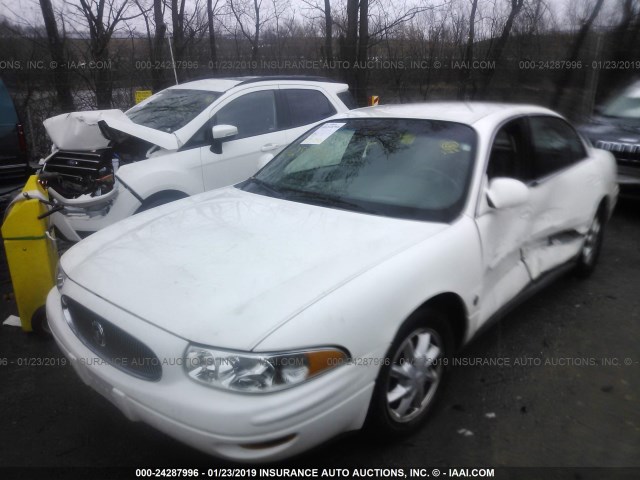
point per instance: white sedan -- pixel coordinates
(327, 292)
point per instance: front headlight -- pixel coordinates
(61, 277)
(259, 372)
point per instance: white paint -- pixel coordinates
(167, 168)
(242, 271)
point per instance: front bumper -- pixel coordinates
(80, 219)
(243, 427)
(629, 182)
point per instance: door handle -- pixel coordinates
(269, 146)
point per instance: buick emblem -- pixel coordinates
(98, 334)
(72, 163)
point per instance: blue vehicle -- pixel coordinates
(14, 161)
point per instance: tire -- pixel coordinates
(592, 245)
(160, 199)
(39, 323)
(408, 384)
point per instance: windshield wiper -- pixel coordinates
(325, 200)
(270, 189)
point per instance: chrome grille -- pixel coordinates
(78, 164)
(72, 173)
(626, 153)
(111, 343)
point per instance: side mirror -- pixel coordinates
(507, 193)
(222, 133)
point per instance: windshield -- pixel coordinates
(170, 110)
(418, 169)
(626, 105)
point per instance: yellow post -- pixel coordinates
(31, 255)
(141, 95)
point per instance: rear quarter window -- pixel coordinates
(307, 106)
(347, 99)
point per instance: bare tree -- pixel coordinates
(156, 40)
(102, 17)
(325, 10)
(328, 31)
(624, 43)
(496, 52)
(158, 44)
(348, 49)
(250, 17)
(56, 50)
(187, 25)
(468, 54)
(363, 53)
(575, 51)
(213, 49)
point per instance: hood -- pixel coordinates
(612, 129)
(82, 130)
(226, 267)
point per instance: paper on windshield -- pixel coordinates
(321, 134)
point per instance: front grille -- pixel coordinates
(627, 154)
(78, 164)
(73, 173)
(111, 343)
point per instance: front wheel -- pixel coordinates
(39, 323)
(591, 246)
(409, 383)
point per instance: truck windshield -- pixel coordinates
(626, 105)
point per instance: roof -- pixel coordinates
(224, 84)
(460, 112)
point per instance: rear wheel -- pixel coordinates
(411, 379)
(592, 245)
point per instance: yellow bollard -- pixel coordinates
(31, 255)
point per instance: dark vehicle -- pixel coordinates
(14, 162)
(616, 127)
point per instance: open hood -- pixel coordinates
(89, 130)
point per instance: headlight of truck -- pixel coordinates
(61, 277)
(259, 372)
